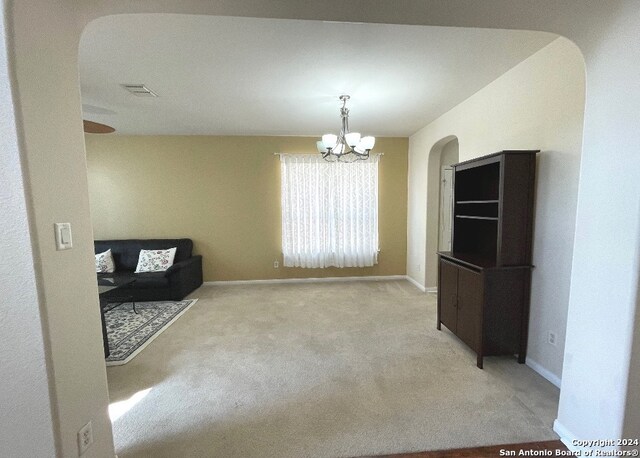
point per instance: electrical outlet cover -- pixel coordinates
(85, 438)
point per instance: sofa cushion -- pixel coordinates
(150, 280)
(155, 260)
(126, 252)
(104, 263)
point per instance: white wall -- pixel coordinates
(450, 154)
(538, 104)
(44, 42)
(24, 395)
(604, 278)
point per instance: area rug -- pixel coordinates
(129, 333)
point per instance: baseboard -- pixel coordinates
(566, 436)
(432, 290)
(415, 283)
(306, 280)
(550, 376)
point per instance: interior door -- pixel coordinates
(470, 293)
(447, 294)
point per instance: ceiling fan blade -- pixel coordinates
(91, 127)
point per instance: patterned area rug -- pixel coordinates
(129, 333)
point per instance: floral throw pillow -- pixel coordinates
(104, 262)
(155, 260)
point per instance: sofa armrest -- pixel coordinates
(185, 276)
(190, 264)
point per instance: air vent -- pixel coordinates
(139, 90)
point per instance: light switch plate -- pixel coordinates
(64, 240)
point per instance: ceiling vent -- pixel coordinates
(139, 90)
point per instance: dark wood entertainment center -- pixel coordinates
(484, 283)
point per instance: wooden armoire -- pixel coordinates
(484, 283)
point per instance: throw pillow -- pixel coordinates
(104, 262)
(155, 260)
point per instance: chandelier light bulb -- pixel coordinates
(352, 138)
(320, 146)
(367, 142)
(329, 141)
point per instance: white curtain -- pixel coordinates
(329, 211)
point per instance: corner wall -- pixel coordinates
(539, 104)
(25, 401)
(43, 60)
(224, 193)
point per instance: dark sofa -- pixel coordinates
(184, 276)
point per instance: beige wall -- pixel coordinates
(539, 104)
(224, 193)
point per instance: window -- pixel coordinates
(329, 211)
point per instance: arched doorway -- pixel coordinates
(443, 154)
(448, 156)
(600, 288)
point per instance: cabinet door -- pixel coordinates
(447, 294)
(470, 293)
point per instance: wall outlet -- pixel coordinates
(551, 338)
(276, 264)
(85, 438)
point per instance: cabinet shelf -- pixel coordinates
(477, 202)
(472, 260)
(486, 218)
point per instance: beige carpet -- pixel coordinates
(320, 370)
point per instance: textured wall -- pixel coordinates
(24, 393)
(44, 42)
(224, 193)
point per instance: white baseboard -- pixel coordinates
(570, 440)
(306, 280)
(566, 436)
(553, 378)
(433, 290)
(415, 283)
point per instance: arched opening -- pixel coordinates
(607, 130)
(442, 155)
(448, 156)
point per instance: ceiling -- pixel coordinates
(244, 76)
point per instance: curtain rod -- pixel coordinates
(278, 154)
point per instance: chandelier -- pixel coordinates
(348, 146)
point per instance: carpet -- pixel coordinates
(129, 333)
(320, 370)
